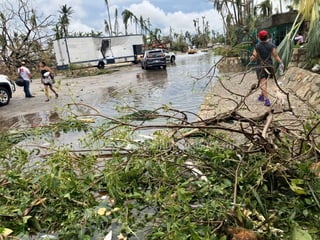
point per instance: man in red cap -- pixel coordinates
(263, 53)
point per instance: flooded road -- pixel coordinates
(131, 86)
(175, 86)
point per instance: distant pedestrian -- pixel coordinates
(263, 53)
(299, 39)
(47, 76)
(25, 73)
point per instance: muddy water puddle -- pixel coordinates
(31, 120)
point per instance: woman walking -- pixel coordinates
(47, 79)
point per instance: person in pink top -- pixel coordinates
(299, 39)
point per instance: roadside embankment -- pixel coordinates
(302, 86)
(294, 98)
(303, 83)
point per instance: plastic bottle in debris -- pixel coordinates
(281, 69)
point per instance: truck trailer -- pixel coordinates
(97, 51)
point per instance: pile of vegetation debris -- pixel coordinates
(114, 184)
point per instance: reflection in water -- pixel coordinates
(30, 120)
(152, 82)
(174, 86)
(156, 78)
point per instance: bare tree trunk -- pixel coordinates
(109, 17)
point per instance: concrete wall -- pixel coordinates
(298, 58)
(304, 84)
(231, 64)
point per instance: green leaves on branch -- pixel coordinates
(152, 189)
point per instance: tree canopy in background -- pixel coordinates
(24, 33)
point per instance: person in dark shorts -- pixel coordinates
(263, 53)
(47, 76)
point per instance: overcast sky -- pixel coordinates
(179, 14)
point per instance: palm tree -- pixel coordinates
(58, 31)
(308, 11)
(293, 4)
(235, 14)
(188, 37)
(265, 8)
(142, 26)
(136, 22)
(116, 24)
(157, 34)
(109, 18)
(64, 19)
(126, 16)
(107, 28)
(147, 25)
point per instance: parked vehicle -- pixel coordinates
(170, 56)
(192, 50)
(154, 58)
(7, 87)
(97, 51)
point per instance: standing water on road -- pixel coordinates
(130, 87)
(174, 86)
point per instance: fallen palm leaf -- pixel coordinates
(5, 233)
(299, 234)
(87, 120)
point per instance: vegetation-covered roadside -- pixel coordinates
(177, 185)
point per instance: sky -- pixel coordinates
(178, 14)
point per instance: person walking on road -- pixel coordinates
(25, 74)
(47, 76)
(263, 53)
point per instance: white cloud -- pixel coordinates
(90, 15)
(78, 26)
(178, 21)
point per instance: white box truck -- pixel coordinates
(97, 51)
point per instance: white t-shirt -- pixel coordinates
(24, 73)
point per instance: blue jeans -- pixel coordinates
(26, 88)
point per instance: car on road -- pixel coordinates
(7, 88)
(170, 56)
(192, 51)
(154, 58)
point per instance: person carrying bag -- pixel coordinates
(47, 79)
(25, 75)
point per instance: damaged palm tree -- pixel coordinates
(308, 10)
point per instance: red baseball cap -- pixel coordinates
(262, 34)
